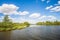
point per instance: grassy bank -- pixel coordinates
(13, 26)
(8, 25)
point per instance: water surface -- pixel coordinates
(33, 32)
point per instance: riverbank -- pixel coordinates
(13, 28)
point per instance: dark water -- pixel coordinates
(33, 32)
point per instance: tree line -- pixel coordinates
(49, 23)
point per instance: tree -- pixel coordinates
(40, 23)
(6, 19)
(26, 23)
(56, 22)
(6, 22)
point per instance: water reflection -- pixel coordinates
(5, 35)
(33, 32)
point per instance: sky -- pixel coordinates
(32, 11)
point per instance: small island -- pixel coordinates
(8, 25)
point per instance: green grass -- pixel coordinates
(13, 28)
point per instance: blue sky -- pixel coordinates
(30, 10)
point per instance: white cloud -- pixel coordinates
(49, 7)
(14, 19)
(42, 17)
(48, 1)
(1, 18)
(28, 20)
(55, 9)
(24, 13)
(47, 18)
(58, 2)
(8, 8)
(22, 19)
(33, 21)
(52, 17)
(35, 15)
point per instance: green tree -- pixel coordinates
(56, 22)
(26, 23)
(6, 22)
(6, 19)
(40, 23)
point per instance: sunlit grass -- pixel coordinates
(15, 27)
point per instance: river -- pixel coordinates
(33, 32)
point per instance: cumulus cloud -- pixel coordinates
(35, 15)
(33, 21)
(8, 8)
(24, 13)
(14, 19)
(49, 7)
(48, 1)
(53, 9)
(22, 20)
(47, 18)
(58, 2)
